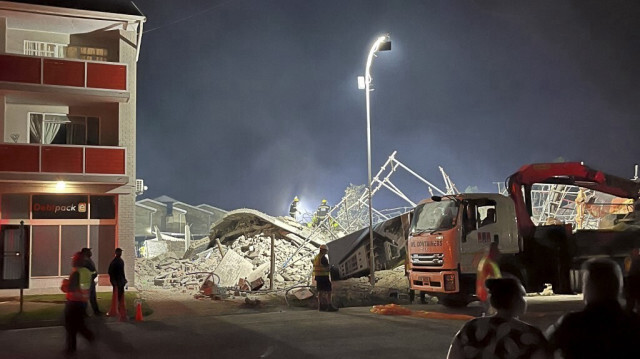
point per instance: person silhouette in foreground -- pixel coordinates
(76, 290)
(602, 329)
(502, 335)
(118, 282)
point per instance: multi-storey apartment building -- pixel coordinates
(67, 136)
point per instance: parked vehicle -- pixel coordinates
(449, 235)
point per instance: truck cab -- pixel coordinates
(449, 235)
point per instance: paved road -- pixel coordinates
(295, 333)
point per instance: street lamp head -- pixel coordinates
(384, 43)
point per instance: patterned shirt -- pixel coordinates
(496, 337)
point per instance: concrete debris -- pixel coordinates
(168, 244)
(172, 272)
(251, 303)
(302, 293)
(237, 262)
(232, 267)
(391, 286)
(250, 223)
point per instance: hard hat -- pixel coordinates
(324, 201)
(324, 246)
(296, 199)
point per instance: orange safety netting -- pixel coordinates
(393, 309)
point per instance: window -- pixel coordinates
(14, 206)
(487, 214)
(102, 243)
(103, 207)
(61, 129)
(44, 49)
(73, 239)
(44, 251)
(87, 53)
(434, 216)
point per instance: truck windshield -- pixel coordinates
(434, 216)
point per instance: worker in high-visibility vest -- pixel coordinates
(322, 274)
(487, 268)
(293, 208)
(77, 289)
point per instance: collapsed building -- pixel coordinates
(246, 249)
(250, 251)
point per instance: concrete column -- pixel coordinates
(273, 261)
(3, 118)
(127, 138)
(3, 35)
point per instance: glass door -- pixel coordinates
(14, 258)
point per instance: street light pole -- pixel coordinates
(383, 43)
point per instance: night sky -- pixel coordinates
(247, 103)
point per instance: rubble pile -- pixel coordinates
(249, 263)
(391, 285)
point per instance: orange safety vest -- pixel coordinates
(81, 294)
(487, 268)
(319, 269)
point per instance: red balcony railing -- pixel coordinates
(63, 72)
(90, 160)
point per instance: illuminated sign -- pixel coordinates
(59, 207)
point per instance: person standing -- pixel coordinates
(77, 294)
(91, 266)
(502, 335)
(487, 268)
(602, 329)
(323, 210)
(322, 273)
(118, 281)
(293, 208)
(632, 280)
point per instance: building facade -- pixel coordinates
(171, 216)
(67, 137)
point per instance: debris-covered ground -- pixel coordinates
(251, 261)
(186, 276)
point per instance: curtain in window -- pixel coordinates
(35, 126)
(51, 129)
(76, 132)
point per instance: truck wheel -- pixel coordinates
(514, 268)
(576, 280)
(423, 298)
(412, 296)
(455, 300)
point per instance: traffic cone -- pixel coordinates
(138, 304)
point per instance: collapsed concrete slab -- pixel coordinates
(350, 254)
(250, 223)
(232, 267)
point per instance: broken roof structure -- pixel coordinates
(250, 222)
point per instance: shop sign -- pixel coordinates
(59, 207)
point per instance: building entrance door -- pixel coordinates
(14, 256)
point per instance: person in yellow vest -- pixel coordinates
(322, 272)
(487, 268)
(77, 289)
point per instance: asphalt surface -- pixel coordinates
(289, 333)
